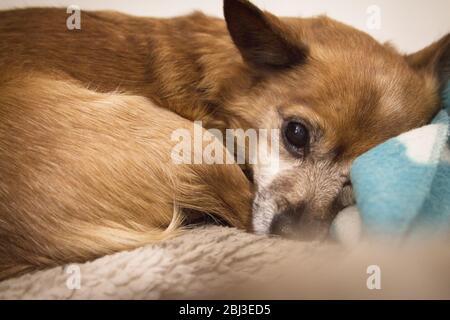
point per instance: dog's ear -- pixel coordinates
(263, 40)
(434, 59)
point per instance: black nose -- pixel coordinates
(286, 223)
(296, 223)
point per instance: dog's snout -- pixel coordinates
(286, 223)
(297, 223)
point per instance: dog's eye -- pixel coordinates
(296, 135)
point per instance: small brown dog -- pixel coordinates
(86, 118)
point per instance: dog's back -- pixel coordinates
(187, 64)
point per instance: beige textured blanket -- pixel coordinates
(217, 262)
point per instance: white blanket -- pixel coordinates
(217, 262)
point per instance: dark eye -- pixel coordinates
(296, 135)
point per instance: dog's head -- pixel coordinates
(333, 92)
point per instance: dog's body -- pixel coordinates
(86, 172)
(86, 118)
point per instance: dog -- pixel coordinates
(86, 118)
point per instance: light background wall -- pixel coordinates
(410, 24)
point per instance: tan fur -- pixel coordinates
(86, 118)
(85, 174)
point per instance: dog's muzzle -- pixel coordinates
(296, 223)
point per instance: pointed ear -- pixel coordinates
(263, 40)
(434, 59)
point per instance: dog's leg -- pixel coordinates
(84, 174)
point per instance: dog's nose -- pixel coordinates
(286, 223)
(296, 223)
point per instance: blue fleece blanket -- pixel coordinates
(403, 185)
